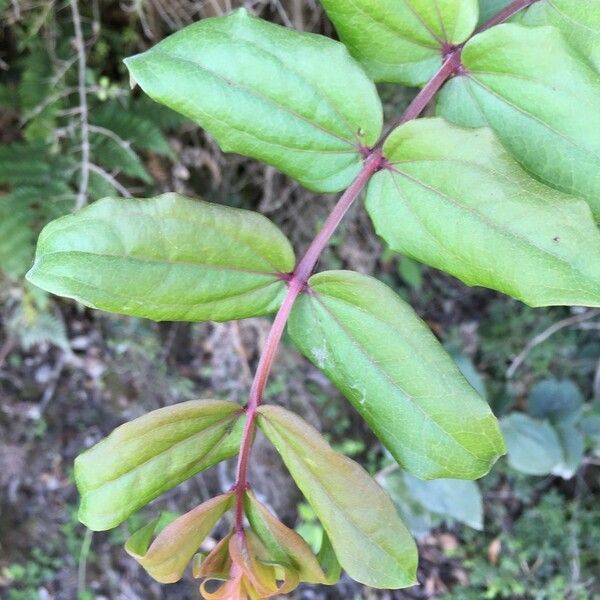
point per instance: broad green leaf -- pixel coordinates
(402, 41)
(452, 498)
(455, 199)
(166, 558)
(370, 541)
(296, 101)
(387, 362)
(542, 101)
(577, 20)
(284, 546)
(142, 459)
(533, 446)
(556, 400)
(165, 258)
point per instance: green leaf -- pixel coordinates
(489, 8)
(411, 272)
(533, 446)
(165, 258)
(539, 98)
(401, 41)
(418, 519)
(368, 537)
(572, 443)
(579, 23)
(447, 498)
(284, 546)
(470, 372)
(166, 558)
(556, 400)
(294, 100)
(142, 459)
(455, 200)
(452, 498)
(329, 561)
(387, 362)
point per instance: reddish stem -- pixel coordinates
(296, 284)
(450, 67)
(512, 9)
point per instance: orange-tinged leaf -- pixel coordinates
(166, 558)
(369, 539)
(282, 544)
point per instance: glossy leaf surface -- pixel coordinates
(165, 258)
(578, 21)
(544, 105)
(401, 41)
(387, 362)
(457, 201)
(294, 100)
(166, 558)
(370, 541)
(142, 459)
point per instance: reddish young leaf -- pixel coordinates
(166, 558)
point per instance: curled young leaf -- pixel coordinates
(142, 459)
(165, 258)
(296, 101)
(166, 558)
(236, 570)
(454, 199)
(284, 547)
(543, 104)
(402, 41)
(369, 539)
(386, 361)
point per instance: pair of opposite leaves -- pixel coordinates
(153, 453)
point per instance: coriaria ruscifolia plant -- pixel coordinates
(500, 191)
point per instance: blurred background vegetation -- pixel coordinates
(72, 131)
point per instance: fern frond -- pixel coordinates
(132, 126)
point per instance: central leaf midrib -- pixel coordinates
(205, 430)
(491, 224)
(257, 94)
(158, 261)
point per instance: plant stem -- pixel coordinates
(512, 9)
(296, 284)
(450, 66)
